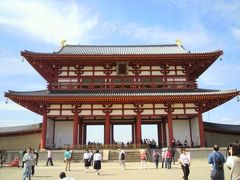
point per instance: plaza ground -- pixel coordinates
(199, 170)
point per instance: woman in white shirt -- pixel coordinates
(86, 160)
(233, 161)
(185, 163)
(97, 157)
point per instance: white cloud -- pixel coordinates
(195, 36)
(221, 74)
(10, 106)
(236, 33)
(15, 62)
(48, 21)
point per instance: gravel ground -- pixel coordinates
(199, 170)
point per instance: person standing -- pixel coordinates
(122, 159)
(156, 156)
(143, 157)
(163, 157)
(233, 161)
(97, 158)
(185, 163)
(67, 159)
(49, 158)
(216, 159)
(23, 153)
(86, 160)
(33, 161)
(168, 158)
(27, 159)
(36, 152)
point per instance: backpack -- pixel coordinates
(122, 156)
(219, 163)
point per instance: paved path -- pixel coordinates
(199, 170)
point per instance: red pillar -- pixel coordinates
(133, 134)
(44, 130)
(164, 134)
(170, 128)
(159, 127)
(80, 138)
(138, 129)
(201, 129)
(75, 128)
(85, 134)
(107, 129)
(190, 128)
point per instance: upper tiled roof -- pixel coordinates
(116, 93)
(122, 50)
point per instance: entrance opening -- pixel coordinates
(150, 133)
(95, 134)
(122, 134)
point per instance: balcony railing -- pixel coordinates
(122, 83)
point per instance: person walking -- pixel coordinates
(216, 159)
(163, 156)
(86, 160)
(97, 158)
(233, 161)
(27, 169)
(168, 158)
(143, 157)
(156, 156)
(185, 163)
(49, 158)
(67, 159)
(122, 159)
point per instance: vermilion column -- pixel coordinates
(80, 138)
(201, 129)
(107, 129)
(164, 134)
(44, 130)
(159, 134)
(75, 128)
(138, 129)
(170, 127)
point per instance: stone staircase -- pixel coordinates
(77, 156)
(131, 155)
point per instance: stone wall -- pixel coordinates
(221, 139)
(20, 141)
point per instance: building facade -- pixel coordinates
(121, 85)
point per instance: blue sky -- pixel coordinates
(41, 25)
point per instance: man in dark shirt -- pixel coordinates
(216, 159)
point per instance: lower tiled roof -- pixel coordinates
(123, 92)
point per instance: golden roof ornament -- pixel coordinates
(63, 42)
(178, 42)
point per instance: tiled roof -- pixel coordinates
(20, 128)
(122, 50)
(222, 127)
(116, 93)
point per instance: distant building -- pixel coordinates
(109, 85)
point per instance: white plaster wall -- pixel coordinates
(195, 131)
(85, 112)
(49, 135)
(147, 111)
(181, 131)
(54, 112)
(63, 133)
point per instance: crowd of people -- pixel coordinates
(90, 158)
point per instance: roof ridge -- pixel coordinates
(121, 45)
